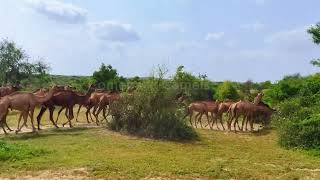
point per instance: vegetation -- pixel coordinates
(15, 67)
(152, 111)
(226, 90)
(105, 154)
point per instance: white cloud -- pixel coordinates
(257, 26)
(214, 36)
(59, 11)
(169, 27)
(114, 31)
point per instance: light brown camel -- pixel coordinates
(249, 111)
(199, 107)
(105, 101)
(261, 110)
(212, 108)
(4, 108)
(258, 98)
(223, 108)
(26, 103)
(93, 102)
(242, 108)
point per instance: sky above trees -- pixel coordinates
(226, 40)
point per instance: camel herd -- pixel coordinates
(61, 96)
(97, 101)
(250, 111)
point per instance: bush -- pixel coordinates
(152, 112)
(227, 90)
(303, 134)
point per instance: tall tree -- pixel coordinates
(108, 77)
(14, 64)
(315, 33)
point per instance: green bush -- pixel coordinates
(12, 152)
(227, 90)
(152, 112)
(303, 134)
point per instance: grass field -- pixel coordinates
(89, 152)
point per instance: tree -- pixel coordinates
(108, 77)
(226, 90)
(14, 64)
(315, 33)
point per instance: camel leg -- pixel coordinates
(4, 130)
(19, 121)
(59, 112)
(247, 125)
(104, 113)
(209, 123)
(32, 120)
(87, 115)
(221, 121)
(234, 124)
(200, 118)
(69, 118)
(251, 124)
(196, 119)
(25, 116)
(42, 111)
(78, 112)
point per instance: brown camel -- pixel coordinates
(63, 98)
(249, 111)
(223, 108)
(105, 101)
(4, 91)
(80, 99)
(261, 110)
(93, 102)
(212, 108)
(199, 107)
(26, 103)
(4, 108)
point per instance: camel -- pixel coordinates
(4, 91)
(80, 99)
(105, 101)
(249, 112)
(223, 108)
(258, 98)
(4, 107)
(64, 98)
(26, 103)
(93, 102)
(199, 107)
(212, 107)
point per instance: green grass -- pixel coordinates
(108, 154)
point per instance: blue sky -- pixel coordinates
(225, 39)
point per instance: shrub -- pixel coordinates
(151, 111)
(303, 134)
(226, 90)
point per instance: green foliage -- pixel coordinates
(12, 152)
(152, 111)
(14, 65)
(227, 90)
(303, 134)
(107, 77)
(315, 32)
(196, 88)
(289, 87)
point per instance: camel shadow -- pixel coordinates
(262, 132)
(47, 133)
